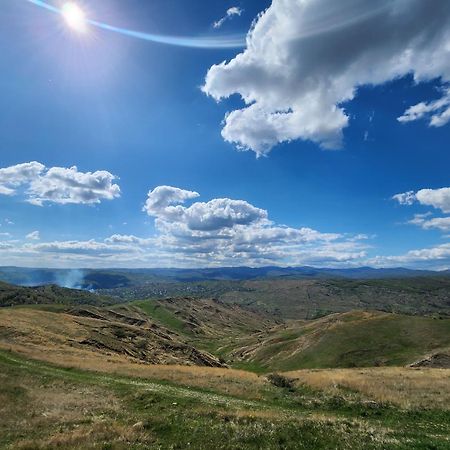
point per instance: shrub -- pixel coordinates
(281, 381)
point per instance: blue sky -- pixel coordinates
(307, 169)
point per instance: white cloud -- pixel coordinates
(33, 236)
(437, 198)
(233, 11)
(164, 204)
(91, 247)
(305, 58)
(128, 239)
(160, 201)
(433, 257)
(58, 184)
(440, 223)
(437, 111)
(14, 176)
(227, 231)
(214, 233)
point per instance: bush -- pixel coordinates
(281, 381)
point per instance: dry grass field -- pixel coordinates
(407, 388)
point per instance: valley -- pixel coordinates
(83, 370)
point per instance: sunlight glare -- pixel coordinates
(74, 16)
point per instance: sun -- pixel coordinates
(74, 16)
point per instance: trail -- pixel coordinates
(163, 389)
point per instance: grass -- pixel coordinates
(161, 314)
(354, 339)
(405, 388)
(44, 406)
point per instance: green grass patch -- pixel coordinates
(161, 315)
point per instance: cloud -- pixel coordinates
(233, 11)
(440, 223)
(127, 239)
(436, 112)
(91, 247)
(217, 232)
(160, 200)
(14, 176)
(433, 257)
(304, 59)
(228, 231)
(57, 184)
(164, 204)
(437, 198)
(33, 236)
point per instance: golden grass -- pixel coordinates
(404, 387)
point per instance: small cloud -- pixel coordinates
(436, 112)
(33, 236)
(58, 184)
(233, 11)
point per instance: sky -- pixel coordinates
(225, 133)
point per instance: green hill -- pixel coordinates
(353, 339)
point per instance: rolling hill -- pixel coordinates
(352, 339)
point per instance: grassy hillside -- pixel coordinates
(123, 334)
(257, 342)
(354, 339)
(45, 406)
(206, 323)
(49, 295)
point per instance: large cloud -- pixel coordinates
(227, 231)
(305, 58)
(58, 184)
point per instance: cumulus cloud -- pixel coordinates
(164, 203)
(437, 198)
(436, 112)
(231, 12)
(228, 231)
(57, 184)
(33, 236)
(161, 201)
(305, 58)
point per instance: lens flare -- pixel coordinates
(74, 16)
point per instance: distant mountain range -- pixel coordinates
(115, 278)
